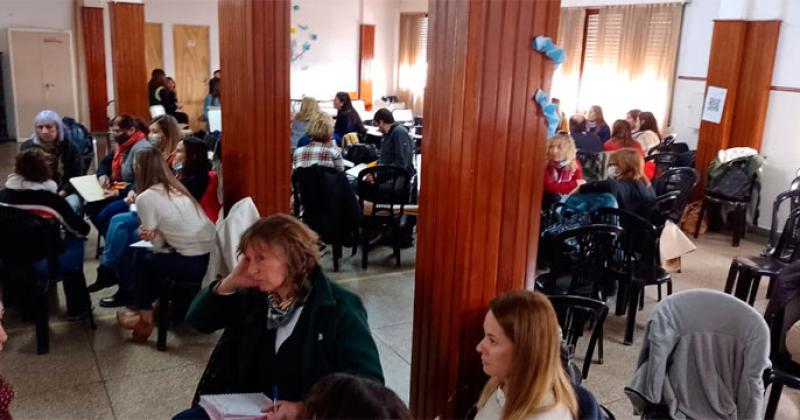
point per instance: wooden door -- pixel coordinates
(153, 47)
(59, 91)
(191, 69)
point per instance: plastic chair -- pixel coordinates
(785, 371)
(665, 144)
(661, 208)
(591, 165)
(388, 189)
(739, 205)
(682, 180)
(664, 161)
(745, 273)
(574, 312)
(793, 196)
(178, 294)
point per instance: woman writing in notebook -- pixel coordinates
(286, 324)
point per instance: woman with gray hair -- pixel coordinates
(63, 157)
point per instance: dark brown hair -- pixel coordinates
(125, 122)
(634, 113)
(621, 133)
(647, 121)
(158, 78)
(32, 165)
(345, 396)
(598, 113)
(299, 243)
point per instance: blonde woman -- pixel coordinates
(521, 353)
(563, 173)
(308, 108)
(322, 150)
(165, 134)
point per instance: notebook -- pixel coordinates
(235, 406)
(88, 187)
(354, 171)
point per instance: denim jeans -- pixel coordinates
(122, 231)
(154, 270)
(69, 261)
(101, 212)
(70, 270)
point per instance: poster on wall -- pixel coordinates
(715, 104)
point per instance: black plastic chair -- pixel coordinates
(793, 197)
(682, 180)
(664, 145)
(745, 273)
(173, 303)
(388, 190)
(574, 312)
(739, 204)
(785, 371)
(591, 165)
(664, 161)
(637, 263)
(659, 211)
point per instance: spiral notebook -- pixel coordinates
(235, 406)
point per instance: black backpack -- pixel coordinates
(361, 153)
(80, 136)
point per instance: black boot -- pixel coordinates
(79, 305)
(106, 277)
(121, 298)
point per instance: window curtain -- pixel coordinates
(567, 78)
(412, 60)
(629, 60)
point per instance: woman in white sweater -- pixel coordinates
(181, 235)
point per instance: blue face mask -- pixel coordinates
(561, 163)
(177, 167)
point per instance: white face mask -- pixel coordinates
(155, 139)
(612, 172)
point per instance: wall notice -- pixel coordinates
(715, 104)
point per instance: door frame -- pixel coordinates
(73, 65)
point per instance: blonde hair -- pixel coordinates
(567, 148)
(308, 108)
(529, 321)
(320, 128)
(630, 165)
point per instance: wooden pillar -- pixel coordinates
(95, 55)
(127, 52)
(483, 164)
(741, 60)
(366, 54)
(254, 59)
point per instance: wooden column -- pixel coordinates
(741, 60)
(94, 49)
(128, 54)
(483, 166)
(366, 54)
(254, 59)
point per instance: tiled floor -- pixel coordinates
(101, 374)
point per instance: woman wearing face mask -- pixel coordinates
(521, 353)
(563, 173)
(597, 124)
(626, 182)
(165, 135)
(286, 324)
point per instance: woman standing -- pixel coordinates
(597, 124)
(521, 353)
(212, 99)
(347, 119)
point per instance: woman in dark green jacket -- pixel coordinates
(286, 325)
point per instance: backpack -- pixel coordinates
(80, 136)
(361, 153)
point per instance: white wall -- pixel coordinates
(779, 145)
(409, 6)
(28, 14)
(385, 15)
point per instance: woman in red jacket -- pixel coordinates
(563, 173)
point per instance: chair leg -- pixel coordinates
(364, 246)
(634, 289)
(163, 319)
(733, 272)
(397, 243)
(738, 228)
(42, 311)
(669, 287)
(774, 397)
(659, 292)
(743, 283)
(600, 347)
(754, 288)
(641, 297)
(337, 253)
(769, 286)
(622, 296)
(700, 219)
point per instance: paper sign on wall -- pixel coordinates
(715, 104)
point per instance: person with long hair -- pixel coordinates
(321, 151)
(286, 324)
(563, 173)
(157, 83)
(346, 396)
(165, 134)
(347, 118)
(626, 181)
(648, 135)
(521, 353)
(597, 124)
(180, 232)
(309, 107)
(632, 117)
(621, 137)
(213, 97)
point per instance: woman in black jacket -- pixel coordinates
(626, 182)
(347, 118)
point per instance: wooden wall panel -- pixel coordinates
(191, 69)
(153, 47)
(128, 53)
(478, 230)
(755, 80)
(94, 49)
(366, 54)
(254, 56)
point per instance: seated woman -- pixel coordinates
(347, 118)
(196, 175)
(647, 131)
(169, 98)
(165, 134)
(127, 133)
(597, 124)
(321, 151)
(181, 235)
(31, 185)
(521, 353)
(621, 138)
(286, 324)
(563, 173)
(626, 182)
(309, 107)
(345, 396)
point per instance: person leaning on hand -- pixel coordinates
(286, 324)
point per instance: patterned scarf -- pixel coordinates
(279, 312)
(119, 155)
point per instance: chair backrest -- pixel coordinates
(328, 203)
(793, 196)
(575, 313)
(386, 187)
(787, 248)
(637, 249)
(660, 209)
(682, 180)
(664, 161)
(580, 256)
(591, 165)
(27, 237)
(665, 144)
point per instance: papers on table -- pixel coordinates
(347, 163)
(88, 188)
(142, 244)
(235, 406)
(354, 171)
